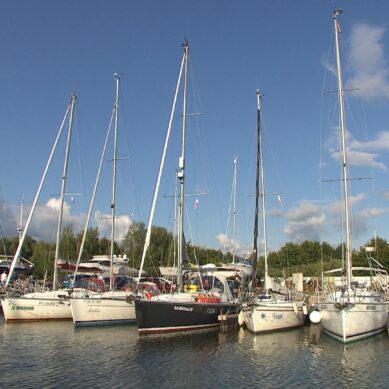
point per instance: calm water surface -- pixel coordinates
(48, 355)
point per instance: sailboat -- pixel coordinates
(23, 266)
(354, 312)
(180, 310)
(239, 265)
(52, 304)
(112, 307)
(269, 311)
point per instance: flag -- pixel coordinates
(196, 203)
(279, 199)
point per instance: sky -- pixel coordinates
(283, 48)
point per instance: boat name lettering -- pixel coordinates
(22, 308)
(277, 316)
(46, 303)
(263, 316)
(371, 308)
(187, 309)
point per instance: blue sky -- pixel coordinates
(284, 48)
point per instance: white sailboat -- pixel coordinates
(53, 304)
(353, 312)
(238, 265)
(112, 307)
(182, 310)
(270, 311)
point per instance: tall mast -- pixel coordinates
(113, 205)
(181, 174)
(342, 122)
(234, 209)
(161, 165)
(63, 189)
(255, 245)
(263, 194)
(175, 225)
(20, 225)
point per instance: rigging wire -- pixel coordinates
(194, 248)
(228, 219)
(207, 162)
(126, 141)
(81, 167)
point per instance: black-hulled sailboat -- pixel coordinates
(180, 310)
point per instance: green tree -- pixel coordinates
(43, 258)
(133, 242)
(104, 246)
(91, 245)
(11, 245)
(161, 243)
(68, 244)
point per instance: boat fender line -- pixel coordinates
(305, 310)
(130, 299)
(241, 318)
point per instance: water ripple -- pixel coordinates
(50, 355)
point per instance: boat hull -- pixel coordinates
(353, 321)
(267, 317)
(169, 316)
(102, 311)
(34, 309)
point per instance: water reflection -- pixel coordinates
(356, 363)
(56, 354)
(314, 332)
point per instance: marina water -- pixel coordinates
(55, 354)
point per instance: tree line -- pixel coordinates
(160, 252)
(308, 257)
(313, 257)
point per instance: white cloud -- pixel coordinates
(8, 221)
(104, 222)
(370, 77)
(360, 223)
(360, 218)
(306, 221)
(275, 212)
(369, 68)
(381, 142)
(44, 222)
(385, 194)
(372, 212)
(304, 210)
(229, 244)
(359, 158)
(336, 206)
